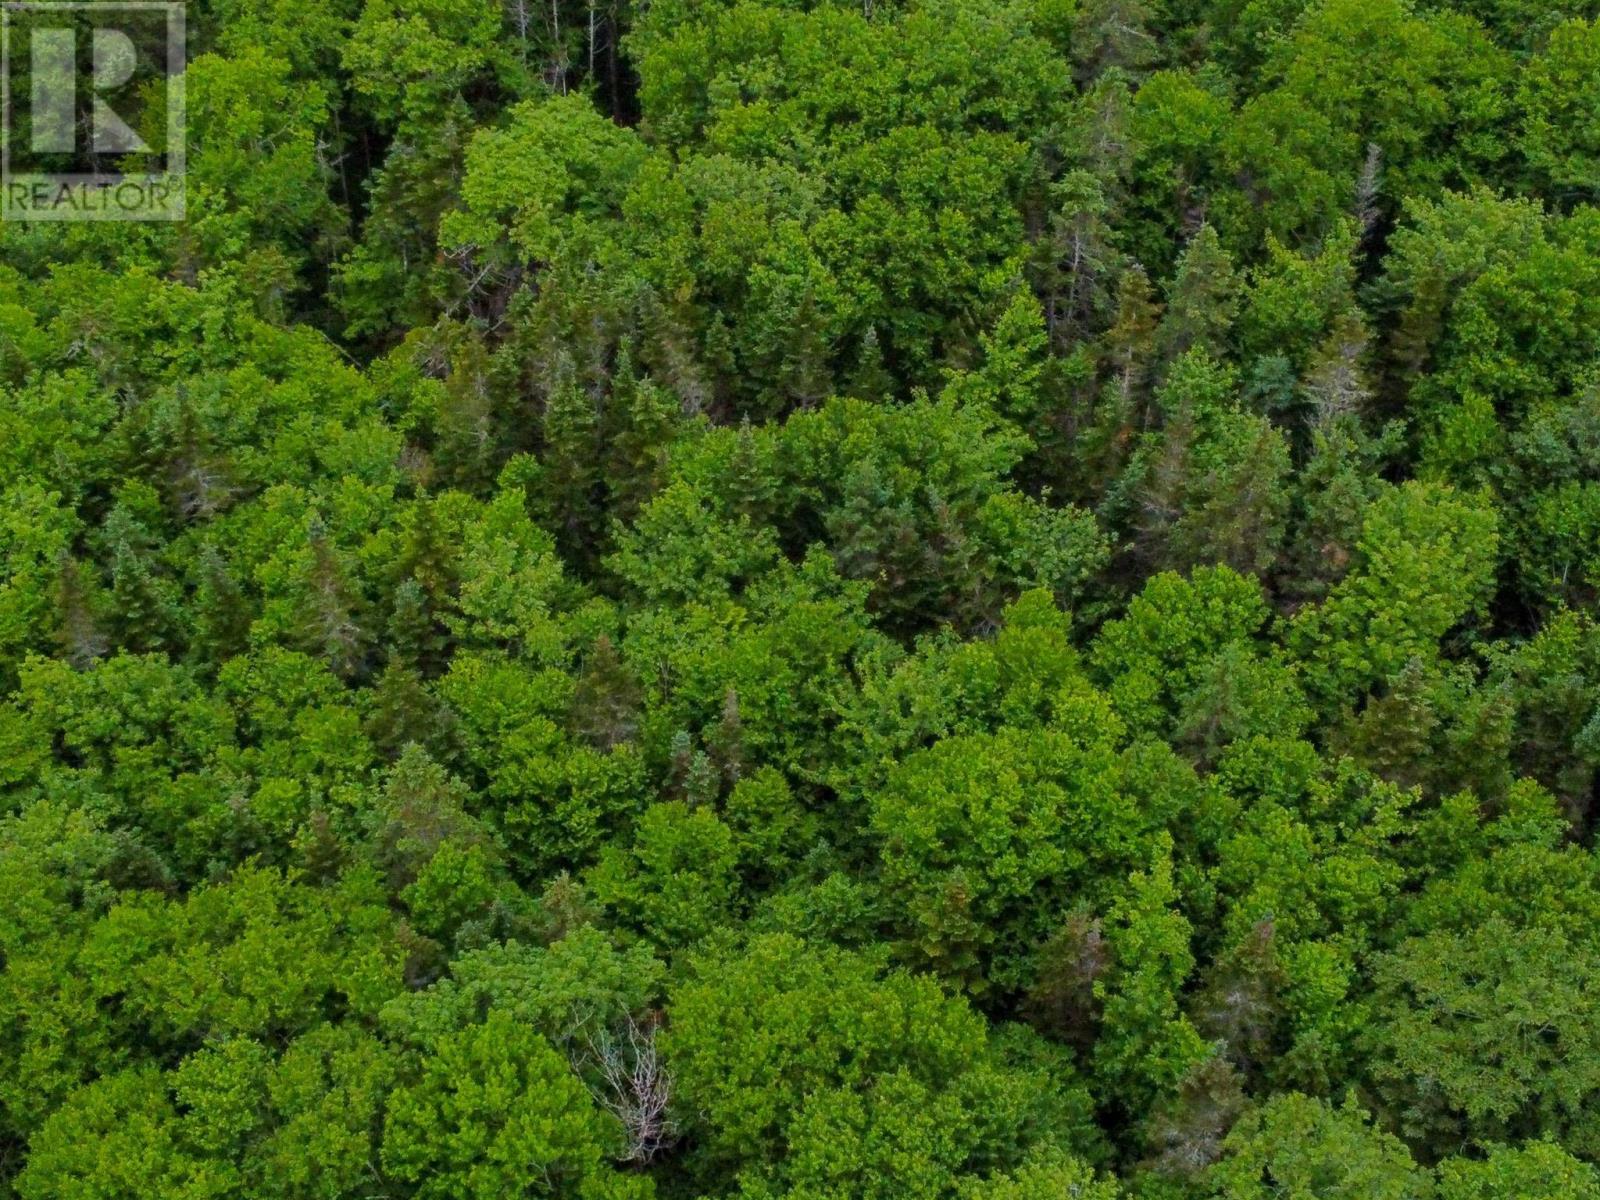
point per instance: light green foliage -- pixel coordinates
(546, 183)
(230, 1119)
(1428, 91)
(408, 60)
(1297, 1146)
(570, 992)
(325, 1095)
(256, 955)
(869, 1078)
(1292, 300)
(1049, 1176)
(120, 1137)
(884, 114)
(256, 179)
(54, 867)
(783, 654)
(1538, 1170)
(1307, 879)
(1423, 565)
(1510, 401)
(1146, 1046)
(683, 549)
(309, 39)
(753, 1034)
(677, 884)
(1022, 678)
(494, 1110)
(982, 835)
(1560, 135)
(1187, 662)
(812, 600)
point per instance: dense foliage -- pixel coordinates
(890, 600)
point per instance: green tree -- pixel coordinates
(1560, 138)
(858, 1074)
(494, 1109)
(1297, 1146)
(1424, 564)
(1535, 1171)
(1487, 1034)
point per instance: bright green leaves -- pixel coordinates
(837, 527)
(1540, 1171)
(120, 1137)
(555, 800)
(754, 1034)
(1561, 135)
(410, 59)
(547, 182)
(1146, 1045)
(1425, 563)
(483, 1111)
(36, 579)
(325, 1095)
(1358, 108)
(867, 1078)
(677, 884)
(824, 186)
(258, 955)
(1419, 98)
(494, 1111)
(571, 992)
(1297, 1146)
(1503, 297)
(681, 548)
(59, 870)
(258, 183)
(1187, 663)
(984, 836)
(310, 40)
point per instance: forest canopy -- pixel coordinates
(815, 600)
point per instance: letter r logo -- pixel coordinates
(55, 91)
(92, 109)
